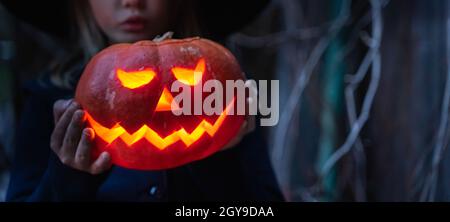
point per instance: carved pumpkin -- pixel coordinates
(125, 91)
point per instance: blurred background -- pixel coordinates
(364, 100)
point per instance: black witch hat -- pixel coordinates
(220, 18)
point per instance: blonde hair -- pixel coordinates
(92, 39)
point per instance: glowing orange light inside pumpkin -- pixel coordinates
(117, 131)
(135, 79)
(165, 102)
(190, 76)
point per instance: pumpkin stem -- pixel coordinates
(165, 36)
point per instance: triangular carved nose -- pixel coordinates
(165, 102)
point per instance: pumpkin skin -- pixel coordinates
(111, 107)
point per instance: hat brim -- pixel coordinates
(49, 16)
(224, 17)
(220, 18)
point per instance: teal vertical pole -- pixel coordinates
(332, 86)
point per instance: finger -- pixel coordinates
(102, 164)
(59, 131)
(243, 127)
(251, 124)
(59, 107)
(83, 153)
(233, 142)
(251, 99)
(249, 104)
(73, 134)
(250, 118)
(249, 84)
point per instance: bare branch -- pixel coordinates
(373, 58)
(303, 79)
(429, 189)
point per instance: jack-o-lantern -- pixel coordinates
(125, 92)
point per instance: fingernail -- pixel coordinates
(78, 116)
(89, 133)
(80, 113)
(105, 155)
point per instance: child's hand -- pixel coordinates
(72, 142)
(249, 125)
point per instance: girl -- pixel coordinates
(52, 160)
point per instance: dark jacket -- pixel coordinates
(241, 173)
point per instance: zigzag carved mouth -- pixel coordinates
(109, 135)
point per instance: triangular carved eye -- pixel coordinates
(190, 76)
(135, 79)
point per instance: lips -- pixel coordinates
(133, 24)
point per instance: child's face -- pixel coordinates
(131, 20)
